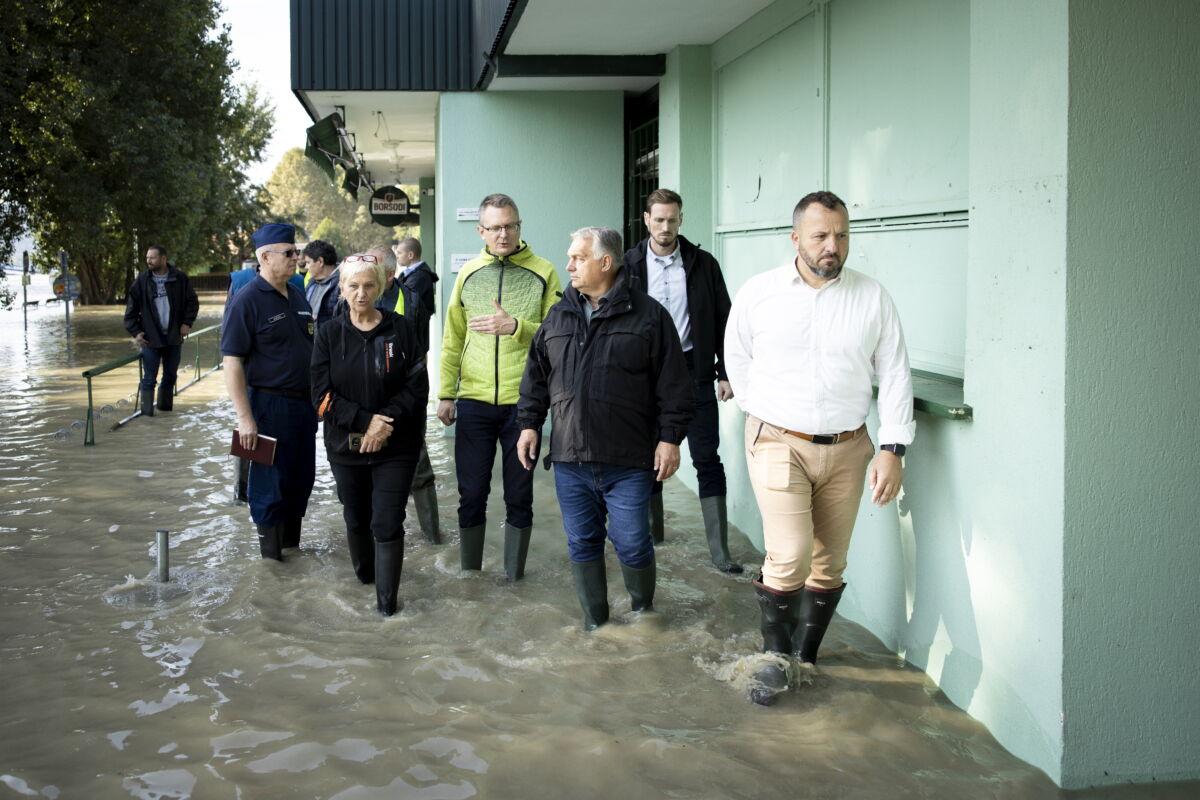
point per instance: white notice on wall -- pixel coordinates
(459, 259)
(467, 214)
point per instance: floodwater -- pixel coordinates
(244, 678)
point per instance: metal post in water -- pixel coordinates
(164, 558)
(25, 287)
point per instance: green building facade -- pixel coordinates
(1022, 177)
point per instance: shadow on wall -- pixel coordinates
(941, 636)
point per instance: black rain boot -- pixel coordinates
(362, 555)
(640, 585)
(166, 396)
(291, 532)
(389, 558)
(656, 518)
(425, 501)
(147, 402)
(270, 541)
(780, 612)
(716, 530)
(591, 585)
(470, 547)
(516, 550)
(816, 610)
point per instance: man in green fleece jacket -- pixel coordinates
(499, 300)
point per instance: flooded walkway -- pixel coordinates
(256, 679)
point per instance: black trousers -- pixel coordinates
(373, 497)
(704, 437)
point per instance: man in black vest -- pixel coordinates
(687, 281)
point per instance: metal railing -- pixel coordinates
(89, 436)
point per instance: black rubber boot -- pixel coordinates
(425, 501)
(362, 554)
(591, 585)
(270, 541)
(640, 585)
(291, 532)
(389, 558)
(816, 610)
(656, 518)
(470, 547)
(780, 612)
(147, 402)
(166, 396)
(516, 550)
(716, 530)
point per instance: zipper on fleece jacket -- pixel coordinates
(500, 301)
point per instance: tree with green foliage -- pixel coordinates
(123, 129)
(301, 194)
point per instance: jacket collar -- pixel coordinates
(617, 300)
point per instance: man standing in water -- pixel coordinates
(417, 276)
(266, 343)
(803, 344)
(499, 300)
(608, 361)
(160, 310)
(687, 281)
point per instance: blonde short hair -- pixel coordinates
(354, 264)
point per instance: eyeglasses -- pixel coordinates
(291, 251)
(370, 259)
(511, 228)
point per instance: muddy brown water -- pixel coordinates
(249, 679)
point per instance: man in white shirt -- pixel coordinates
(801, 348)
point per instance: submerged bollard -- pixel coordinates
(164, 559)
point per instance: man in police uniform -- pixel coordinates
(266, 344)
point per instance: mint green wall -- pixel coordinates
(1133, 292)
(822, 95)
(560, 155)
(685, 137)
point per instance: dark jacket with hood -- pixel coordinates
(708, 303)
(141, 316)
(615, 387)
(357, 374)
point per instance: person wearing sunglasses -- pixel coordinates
(266, 349)
(498, 301)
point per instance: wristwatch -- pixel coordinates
(898, 449)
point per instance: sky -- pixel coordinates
(261, 34)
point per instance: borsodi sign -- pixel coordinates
(389, 206)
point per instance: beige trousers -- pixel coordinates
(808, 496)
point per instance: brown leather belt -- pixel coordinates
(828, 438)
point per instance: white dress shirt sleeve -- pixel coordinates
(896, 423)
(739, 346)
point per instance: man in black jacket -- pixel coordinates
(160, 309)
(687, 281)
(416, 274)
(606, 361)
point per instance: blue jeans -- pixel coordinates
(479, 426)
(587, 493)
(167, 356)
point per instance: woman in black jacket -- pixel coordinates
(370, 388)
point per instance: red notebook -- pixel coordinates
(263, 452)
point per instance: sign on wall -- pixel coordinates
(389, 207)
